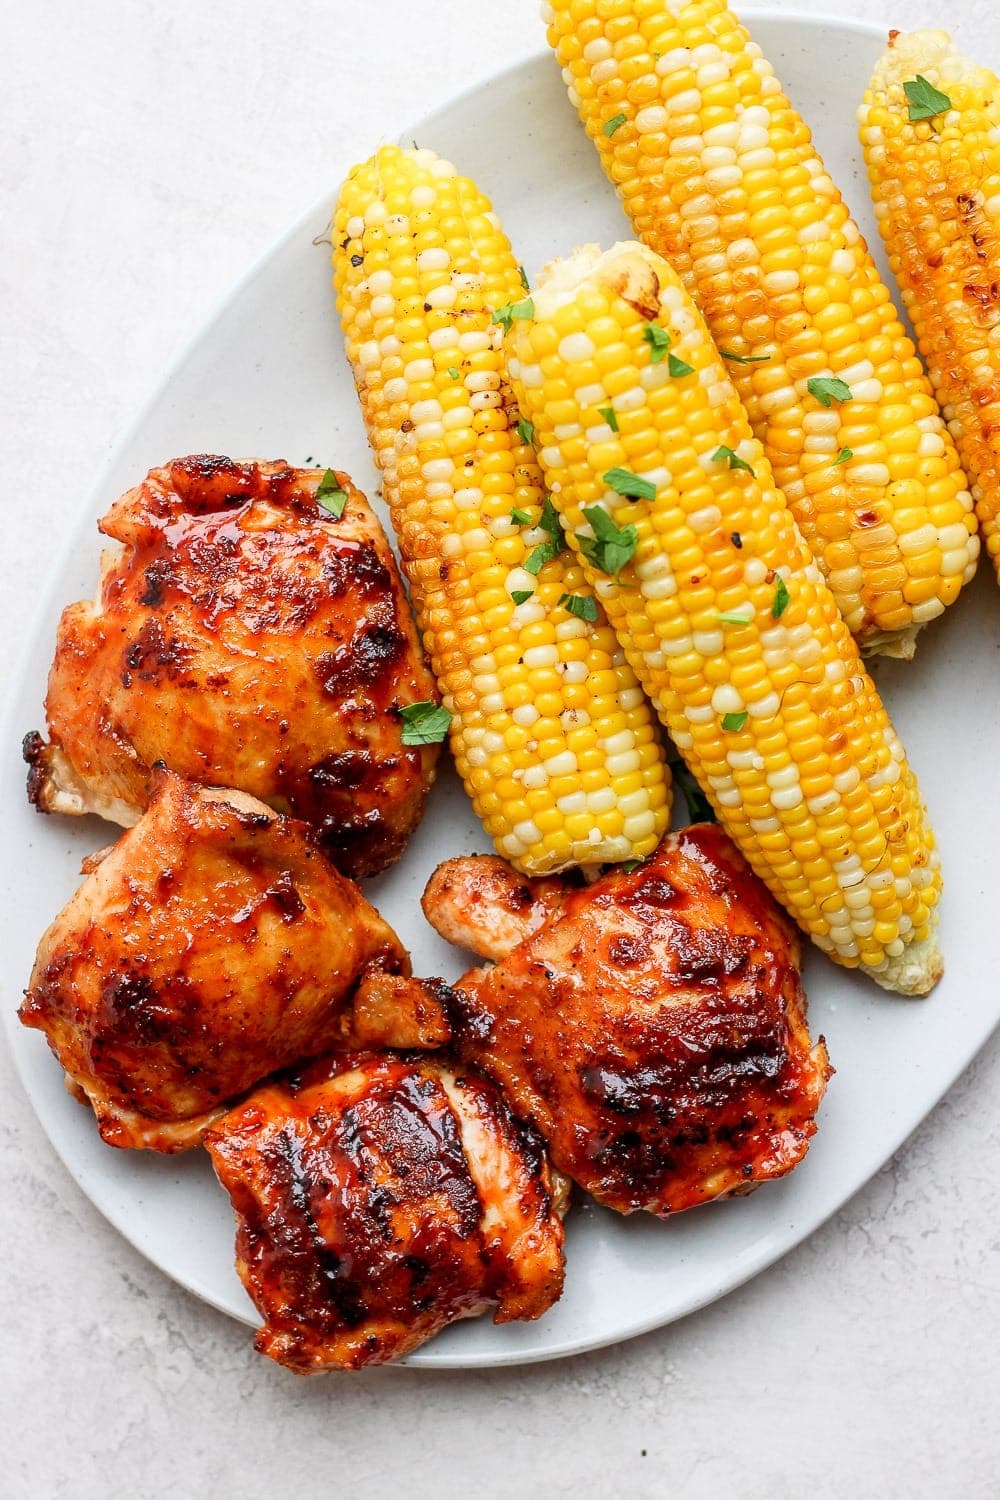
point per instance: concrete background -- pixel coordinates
(151, 152)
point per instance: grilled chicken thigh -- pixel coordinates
(651, 1026)
(212, 945)
(247, 637)
(377, 1199)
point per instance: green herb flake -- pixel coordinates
(658, 340)
(539, 556)
(827, 388)
(424, 723)
(923, 99)
(632, 486)
(330, 495)
(615, 123)
(745, 359)
(734, 721)
(732, 617)
(843, 456)
(514, 312)
(628, 866)
(698, 805)
(733, 459)
(525, 431)
(520, 596)
(678, 367)
(549, 521)
(580, 605)
(524, 278)
(781, 598)
(611, 546)
(520, 517)
(453, 372)
(610, 416)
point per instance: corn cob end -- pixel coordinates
(915, 972)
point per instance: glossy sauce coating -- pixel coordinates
(379, 1197)
(247, 638)
(655, 1031)
(213, 944)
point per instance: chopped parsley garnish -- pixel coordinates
(924, 100)
(539, 556)
(549, 521)
(520, 517)
(580, 605)
(524, 278)
(658, 340)
(733, 617)
(611, 546)
(629, 866)
(546, 551)
(615, 123)
(827, 388)
(699, 807)
(843, 456)
(513, 311)
(632, 486)
(781, 598)
(424, 723)
(330, 495)
(733, 459)
(519, 596)
(453, 372)
(744, 359)
(525, 431)
(678, 367)
(610, 416)
(735, 721)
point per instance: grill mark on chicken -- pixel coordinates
(35, 753)
(154, 654)
(367, 657)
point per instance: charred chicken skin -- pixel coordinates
(651, 1026)
(247, 637)
(379, 1197)
(213, 944)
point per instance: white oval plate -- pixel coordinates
(268, 377)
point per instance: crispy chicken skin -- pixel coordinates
(212, 945)
(247, 638)
(654, 1031)
(379, 1197)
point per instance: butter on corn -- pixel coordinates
(722, 611)
(554, 739)
(718, 174)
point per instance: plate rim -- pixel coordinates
(754, 1263)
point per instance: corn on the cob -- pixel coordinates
(555, 742)
(718, 174)
(722, 611)
(934, 166)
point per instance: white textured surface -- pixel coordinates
(150, 154)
